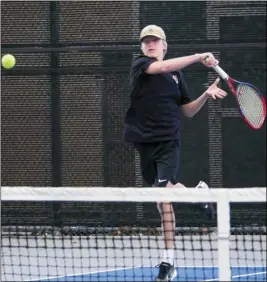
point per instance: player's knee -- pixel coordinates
(164, 208)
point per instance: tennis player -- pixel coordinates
(152, 123)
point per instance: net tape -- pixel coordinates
(131, 194)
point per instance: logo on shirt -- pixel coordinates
(175, 78)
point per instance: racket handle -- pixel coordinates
(221, 72)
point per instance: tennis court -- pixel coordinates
(184, 274)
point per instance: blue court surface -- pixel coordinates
(149, 273)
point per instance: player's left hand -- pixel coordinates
(214, 91)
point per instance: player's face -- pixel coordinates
(153, 47)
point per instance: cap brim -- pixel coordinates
(151, 34)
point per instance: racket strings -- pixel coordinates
(250, 104)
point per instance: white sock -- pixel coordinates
(168, 255)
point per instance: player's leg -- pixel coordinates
(168, 228)
(167, 163)
(149, 153)
(167, 160)
(155, 164)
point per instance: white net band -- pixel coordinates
(130, 194)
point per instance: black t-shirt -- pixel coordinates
(153, 115)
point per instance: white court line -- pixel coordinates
(214, 266)
(84, 273)
(242, 275)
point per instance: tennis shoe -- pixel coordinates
(167, 272)
(208, 208)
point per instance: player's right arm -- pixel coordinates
(180, 63)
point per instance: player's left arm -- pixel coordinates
(193, 107)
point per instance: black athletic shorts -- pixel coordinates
(159, 162)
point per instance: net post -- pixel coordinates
(223, 219)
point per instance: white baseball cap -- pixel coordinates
(153, 30)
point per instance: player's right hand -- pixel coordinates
(208, 60)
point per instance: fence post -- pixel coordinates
(55, 107)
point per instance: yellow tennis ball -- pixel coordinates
(8, 61)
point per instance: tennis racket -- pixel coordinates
(250, 101)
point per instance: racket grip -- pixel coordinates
(221, 72)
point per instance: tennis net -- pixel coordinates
(113, 234)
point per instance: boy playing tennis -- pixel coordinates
(152, 123)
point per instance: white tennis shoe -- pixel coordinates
(202, 185)
(208, 208)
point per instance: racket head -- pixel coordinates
(251, 103)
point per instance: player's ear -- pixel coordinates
(165, 47)
(141, 47)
